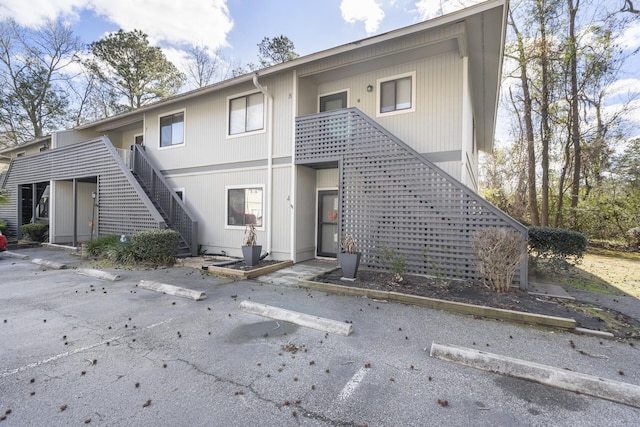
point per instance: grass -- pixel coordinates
(602, 270)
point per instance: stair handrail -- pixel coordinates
(176, 210)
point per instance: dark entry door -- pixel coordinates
(327, 223)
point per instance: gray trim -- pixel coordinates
(277, 161)
(443, 156)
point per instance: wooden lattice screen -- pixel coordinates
(393, 197)
(124, 207)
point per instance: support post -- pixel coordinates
(75, 212)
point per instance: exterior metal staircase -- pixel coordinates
(168, 204)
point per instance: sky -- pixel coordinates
(233, 28)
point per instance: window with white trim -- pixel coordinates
(172, 129)
(246, 113)
(245, 206)
(396, 94)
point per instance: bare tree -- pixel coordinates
(628, 7)
(204, 67)
(34, 76)
(522, 59)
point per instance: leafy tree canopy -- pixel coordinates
(140, 73)
(276, 51)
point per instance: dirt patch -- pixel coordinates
(586, 315)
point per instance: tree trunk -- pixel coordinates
(528, 122)
(574, 107)
(544, 113)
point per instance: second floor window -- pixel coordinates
(172, 130)
(395, 95)
(246, 114)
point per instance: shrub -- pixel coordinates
(155, 246)
(498, 252)
(556, 244)
(349, 244)
(4, 196)
(396, 264)
(122, 253)
(100, 245)
(4, 228)
(37, 232)
(633, 236)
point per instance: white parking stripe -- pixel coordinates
(353, 384)
(70, 353)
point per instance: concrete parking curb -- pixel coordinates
(99, 274)
(10, 254)
(615, 391)
(172, 290)
(309, 321)
(450, 306)
(49, 264)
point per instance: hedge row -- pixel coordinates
(38, 232)
(150, 247)
(557, 244)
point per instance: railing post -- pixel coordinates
(172, 211)
(193, 241)
(132, 158)
(152, 184)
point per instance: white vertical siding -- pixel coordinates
(305, 213)
(206, 196)
(436, 123)
(281, 208)
(327, 178)
(68, 137)
(206, 141)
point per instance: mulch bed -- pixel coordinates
(478, 294)
(242, 266)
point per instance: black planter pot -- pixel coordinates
(251, 254)
(349, 264)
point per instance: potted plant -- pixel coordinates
(349, 257)
(250, 250)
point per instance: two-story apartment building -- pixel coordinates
(378, 138)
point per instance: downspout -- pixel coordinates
(269, 221)
(294, 183)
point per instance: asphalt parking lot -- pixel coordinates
(76, 350)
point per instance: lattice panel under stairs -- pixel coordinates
(392, 197)
(124, 208)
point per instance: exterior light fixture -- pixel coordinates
(370, 88)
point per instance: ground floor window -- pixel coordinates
(245, 206)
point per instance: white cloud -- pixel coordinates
(428, 9)
(32, 13)
(630, 37)
(191, 23)
(368, 11)
(165, 21)
(624, 87)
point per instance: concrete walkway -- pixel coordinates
(291, 275)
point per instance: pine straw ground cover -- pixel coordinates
(586, 315)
